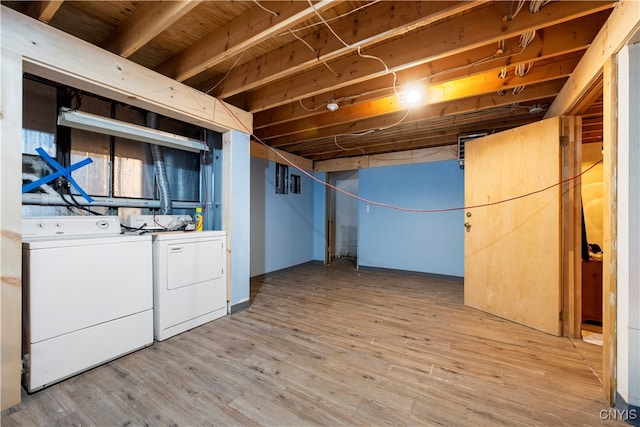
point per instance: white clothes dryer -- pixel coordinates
(190, 280)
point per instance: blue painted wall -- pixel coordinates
(422, 242)
(282, 225)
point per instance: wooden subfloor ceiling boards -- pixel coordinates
(334, 346)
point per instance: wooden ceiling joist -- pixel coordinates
(146, 23)
(458, 89)
(621, 25)
(238, 35)
(44, 10)
(372, 24)
(474, 29)
(534, 92)
(558, 40)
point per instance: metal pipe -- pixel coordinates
(159, 168)
(44, 199)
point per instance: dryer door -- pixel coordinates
(193, 262)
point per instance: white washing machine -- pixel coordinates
(87, 295)
(190, 280)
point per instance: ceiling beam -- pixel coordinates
(623, 23)
(243, 32)
(149, 20)
(65, 59)
(369, 25)
(274, 155)
(451, 108)
(424, 155)
(427, 134)
(44, 10)
(431, 134)
(558, 40)
(468, 31)
(447, 91)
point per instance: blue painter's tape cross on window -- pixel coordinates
(59, 171)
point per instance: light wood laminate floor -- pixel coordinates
(333, 346)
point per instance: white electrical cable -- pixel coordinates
(518, 8)
(526, 39)
(310, 109)
(386, 68)
(503, 73)
(378, 129)
(315, 24)
(302, 40)
(518, 89)
(335, 141)
(227, 74)
(536, 5)
(265, 9)
(523, 69)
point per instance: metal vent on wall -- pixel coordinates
(461, 142)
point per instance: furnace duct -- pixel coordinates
(160, 169)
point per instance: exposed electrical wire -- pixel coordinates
(309, 109)
(518, 89)
(513, 13)
(378, 129)
(335, 141)
(358, 47)
(526, 39)
(503, 73)
(399, 208)
(265, 9)
(330, 69)
(228, 72)
(313, 50)
(523, 69)
(155, 221)
(302, 40)
(536, 5)
(315, 24)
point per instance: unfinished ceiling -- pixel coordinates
(482, 66)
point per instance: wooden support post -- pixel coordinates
(610, 198)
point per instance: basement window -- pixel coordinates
(295, 184)
(282, 175)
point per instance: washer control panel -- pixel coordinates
(47, 226)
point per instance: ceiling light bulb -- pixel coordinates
(332, 106)
(412, 96)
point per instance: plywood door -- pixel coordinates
(513, 249)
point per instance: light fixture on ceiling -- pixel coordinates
(332, 106)
(412, 96)
(535, 108)
(104, 125)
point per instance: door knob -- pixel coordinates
(467, 225)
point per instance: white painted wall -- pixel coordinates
(236, 206)
(628, 233)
